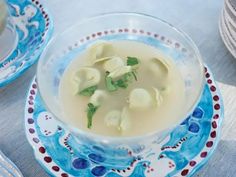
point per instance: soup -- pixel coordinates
(122, 88)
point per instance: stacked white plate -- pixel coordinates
(227, 25)
(8, 168)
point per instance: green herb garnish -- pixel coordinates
(124, 81)
(90, 113)
(134, 74)
(128, 77)
(131, 61)
(88, 91)
(109, 83)
(121, 83)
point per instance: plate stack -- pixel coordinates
(228, 25)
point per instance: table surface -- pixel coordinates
(198, 18)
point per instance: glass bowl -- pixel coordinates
(119, 26)
(8, 35)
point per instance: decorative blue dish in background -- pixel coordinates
(34, 28)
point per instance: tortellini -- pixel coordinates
(158, 96)
(113, 118)
(159, 67)
(125, 123)
(86, 77)
(140, 98)
(98, 97)
(118, 119)
(120, 71)
(100, 51)
(113, 63)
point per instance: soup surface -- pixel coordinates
(122, 88)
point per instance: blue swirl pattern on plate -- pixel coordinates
(34, 29)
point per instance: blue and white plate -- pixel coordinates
(182, 153)
(34, 29)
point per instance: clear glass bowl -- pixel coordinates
(8, 35)
(115, 26)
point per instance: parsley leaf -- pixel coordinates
(90, 113)
(128, 77)
(125, 80)
(121, 83)
(88, 91)
(109, 83)
(131, 61)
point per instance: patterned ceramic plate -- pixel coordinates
(182, 153)
(34, 28)
(7, 168)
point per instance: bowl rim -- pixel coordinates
(105, 138)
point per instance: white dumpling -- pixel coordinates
(86, 77)
(140, 98)
(113, 63)
(160, 67)
(98, 97)
(113, 118)
(100, 51)
(158, 96)
(125, 122)
(120, 71)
